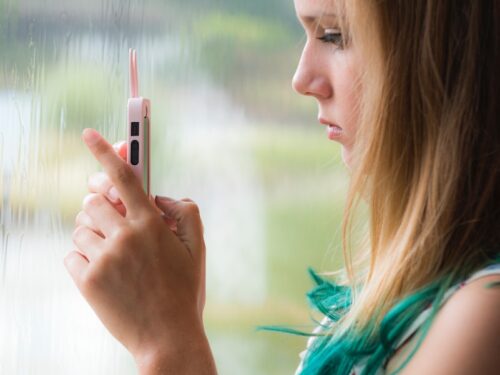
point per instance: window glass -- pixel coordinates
(227, 131)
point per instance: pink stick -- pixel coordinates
(134, 89)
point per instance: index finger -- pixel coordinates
(121, 174)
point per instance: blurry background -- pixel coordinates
(228, 132)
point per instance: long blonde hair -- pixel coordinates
(426, 165)
(427, 147)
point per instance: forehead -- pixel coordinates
(309, 10)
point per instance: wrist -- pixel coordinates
(188, 355)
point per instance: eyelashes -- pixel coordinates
(332, 36)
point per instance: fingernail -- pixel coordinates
(87, 198)
(159, 197)
(90, 136)
(113, 194)
(161, 200)
(118, 145)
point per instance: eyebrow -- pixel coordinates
(311, 19)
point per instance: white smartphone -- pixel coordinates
(138, 128)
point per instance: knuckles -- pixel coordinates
(91, 280)
(150, 224)
(93, 200)
(78, 233)
(149, 221)
(125, 239)
(98, 182)
(192, 208)
(188, 207)
(79, 219)
(102, 267)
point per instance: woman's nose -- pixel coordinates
(309, 79)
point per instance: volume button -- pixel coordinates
(134, 129)
(134, 152)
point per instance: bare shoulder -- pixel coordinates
(465, 335)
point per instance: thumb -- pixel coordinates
(189, 225)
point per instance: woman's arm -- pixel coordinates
(193, 359)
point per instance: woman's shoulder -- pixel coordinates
(468, 317)
(465, 334)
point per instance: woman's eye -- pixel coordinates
(332, 37)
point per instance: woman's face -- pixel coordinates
(329, 72)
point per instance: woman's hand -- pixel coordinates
(145, 282)
(99, 182)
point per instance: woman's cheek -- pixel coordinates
(350, 106)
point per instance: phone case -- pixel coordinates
(138, 128)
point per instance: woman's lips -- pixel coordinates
(334, 132)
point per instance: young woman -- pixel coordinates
(410, 89)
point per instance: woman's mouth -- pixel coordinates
(334, 131)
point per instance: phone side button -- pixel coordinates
(134, 132)
(134, 155)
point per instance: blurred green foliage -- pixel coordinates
(84, 96)
(249, 48)
(235, 46)
(254, 59)
(241, 30)
(282, 150)
(305, 186)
